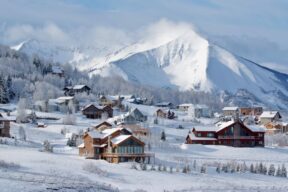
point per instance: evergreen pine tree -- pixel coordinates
(283, 171)
(271, 170)
(163, 136)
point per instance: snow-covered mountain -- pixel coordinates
(190, 62)
(80, 57)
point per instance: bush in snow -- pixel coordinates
(163, 136)
(69, 119)
(92, 168)
(171, 169)
(47, 146)
(218, 169)
(153, 168)
(22, 134)
(203, 169)
(271, 170)
(6, 165)
(283, 171)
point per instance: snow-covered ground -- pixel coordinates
(23, 167)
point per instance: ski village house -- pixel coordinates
(72, 90)
(4, 127)
(269, 116)
(231, 133)
(96, 112)
(113, 145)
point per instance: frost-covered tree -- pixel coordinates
(47, 147)
(21, 111)
(271, 170)
(283, 171)
(203, 169)
(218, 168)
(163, 136)
(21, 134)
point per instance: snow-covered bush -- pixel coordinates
(8, 165)
(47, 147)
(21, 134)
(92, 168)
(69, 119)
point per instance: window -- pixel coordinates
(260, 135)
(210, 134)
(198, 134)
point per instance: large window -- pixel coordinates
(210, 135)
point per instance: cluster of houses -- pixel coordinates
(239, 127)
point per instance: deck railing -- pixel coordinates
(236, 137)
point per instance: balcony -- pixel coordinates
(236, 137)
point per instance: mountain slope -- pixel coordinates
(190, 62)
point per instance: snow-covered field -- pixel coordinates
(23, 167)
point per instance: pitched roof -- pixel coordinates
(230, 108)
(268, 114)
(120, 139)
(95, 134)
(78, 86)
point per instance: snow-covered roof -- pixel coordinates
(268, 114)
(95, 134)
(163, 104)
(78, 86)
(65, 98)
(81, 145)
(256, 128)
(186, 105)
(103, 145)
(230, 108)
(57, 69)
(223, 124)
(193, 137)
(120, 138)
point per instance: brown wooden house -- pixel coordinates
(76, 89)
(232, 133)
(4, 127)
(255, 111)
(95, 112)
(137, 130)
(102, 126)
(114, 145)
(161, 113)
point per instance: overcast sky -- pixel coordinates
(256, 29)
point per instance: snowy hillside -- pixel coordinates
(190, 62)
(76, 56)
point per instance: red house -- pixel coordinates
(231, 133)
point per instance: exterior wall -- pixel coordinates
(4, 128)
(230, 112)
(236, 135)
(161, 114)
(251, 110)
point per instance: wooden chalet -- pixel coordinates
(4, 127)
(269, 116)
(137, 130)
(57, 70)
(92, 111)
(76, 89)
(133, 117)
(161, 113)
(255, 111)
(276, 127)
(168, 105)
(102, 126)
(230, 111)
(111, 101)
(114, 145)
(231, 133)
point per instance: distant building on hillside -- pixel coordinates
(132, 117)
(96, 112)
(255, 111)
(269, 116)
(57, 70)
(232, 133)
(72, 90)
(102, 126)
(165, 105)
(196, 110)
(4, 127)
(230, 111)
